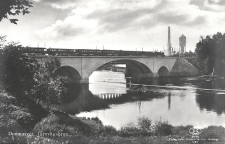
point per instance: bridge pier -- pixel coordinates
(155, 75)
(84, 80)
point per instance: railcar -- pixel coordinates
(34, 51)
(89, 52)
(60, 52)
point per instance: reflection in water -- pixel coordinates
(85, 101)
(181, 101)
(109, 96)
(107, 82)
(211, 101)
(169, 100)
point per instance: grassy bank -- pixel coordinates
(23, 124)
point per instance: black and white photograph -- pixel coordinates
(112, 71)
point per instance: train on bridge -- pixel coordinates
(36, 51)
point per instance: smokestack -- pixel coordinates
(169, 44)
(168, 35)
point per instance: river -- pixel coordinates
(194, 101)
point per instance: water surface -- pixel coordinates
(181, 101)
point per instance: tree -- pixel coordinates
(17, 70)
(23, 78)
(14, 7)
(49, 88)
(2, 41)
(211, 51)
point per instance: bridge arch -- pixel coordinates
(138, 69)
(163, 71)
(70, 72)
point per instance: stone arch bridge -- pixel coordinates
(79, 68)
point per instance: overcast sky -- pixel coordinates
(116, 24)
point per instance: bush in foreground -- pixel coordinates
(163, 128)
(146, 127)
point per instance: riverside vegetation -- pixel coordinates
(209, 55)
(28, 89)
(17, 119)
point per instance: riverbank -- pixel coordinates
(58, 127)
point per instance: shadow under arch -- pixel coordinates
(134, 69)
(137, 66)
(163, 71)
(68, 71)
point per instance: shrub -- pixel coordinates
(25, 112)
(163, 128)
(129, 131)
(60, 122)
(22, 117)
(17, 70)
(107, 130)
(49, 88)
(7, 122)
(144, 123)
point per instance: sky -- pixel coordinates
(116, 24)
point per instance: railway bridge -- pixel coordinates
(79, 68)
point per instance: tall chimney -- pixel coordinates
(169, 43)
(168, 35)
